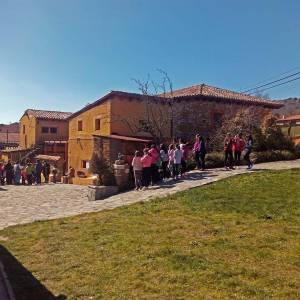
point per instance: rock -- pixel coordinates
(101, 192)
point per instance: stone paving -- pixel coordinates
(26, 204)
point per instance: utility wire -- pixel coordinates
(258, 87)
(271, 87)
(270, 78)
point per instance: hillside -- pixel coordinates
(291, 107)
(10, 128)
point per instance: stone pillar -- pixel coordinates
(121, 172)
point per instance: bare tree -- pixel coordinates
(157, 117)
(244, 121)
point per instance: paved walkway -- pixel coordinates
(26, 204)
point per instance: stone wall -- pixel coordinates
(200, 116)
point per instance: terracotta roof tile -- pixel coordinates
(204, 91)
(48, 115)
(222, 94)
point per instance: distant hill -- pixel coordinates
(10, 128)
(291, 107)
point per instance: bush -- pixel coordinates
(100, 167)
(276, 155)
(216, 159)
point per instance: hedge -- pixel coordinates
(216, 159)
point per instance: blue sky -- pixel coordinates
(63, 54)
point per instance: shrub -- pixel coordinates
(215, 160)
(276, 155)
(100, 167)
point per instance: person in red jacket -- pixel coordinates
(154, 166)
(228, 154)
(146, 161)
(238, 148)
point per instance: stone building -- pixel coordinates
(202, 108)
(45, 131)
(123, 122)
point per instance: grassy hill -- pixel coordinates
(291, 107)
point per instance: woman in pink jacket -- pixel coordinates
(146, 163)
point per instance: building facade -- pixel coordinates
(38, 126)
(137, 119)
(290, 126)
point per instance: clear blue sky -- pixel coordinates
(62, 54)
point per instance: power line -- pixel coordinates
(270, 78)
(256, 88)
(271, 87)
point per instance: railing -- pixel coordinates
(53, 137)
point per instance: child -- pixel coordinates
(23, 175)
(164, 161)
(185, 152)
(196, 150)
(54, 173)
(171, 154)
(228, 156)
(137, 170)
(177, 161)
(249, 146)
(238, 148)
(146, 173)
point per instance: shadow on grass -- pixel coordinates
(24, 285)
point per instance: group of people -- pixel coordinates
(156, 164)
(233, 149)
(29, 173)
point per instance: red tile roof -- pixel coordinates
(290, 118)
(48, 115)
(12, 137)
(203, 90)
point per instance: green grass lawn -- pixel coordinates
(235, 239)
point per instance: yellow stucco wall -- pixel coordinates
(62, 130)
(27, 131)
(81, 146)
(126, 114)
(33, 130)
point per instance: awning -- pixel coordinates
(48, 157)
(124, 138)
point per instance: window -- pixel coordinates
(45, 129)
(23, 129)
(97, 124)
(79, 126)
(53, 130)
(217, 119)
(85, 164)
(144, 126)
